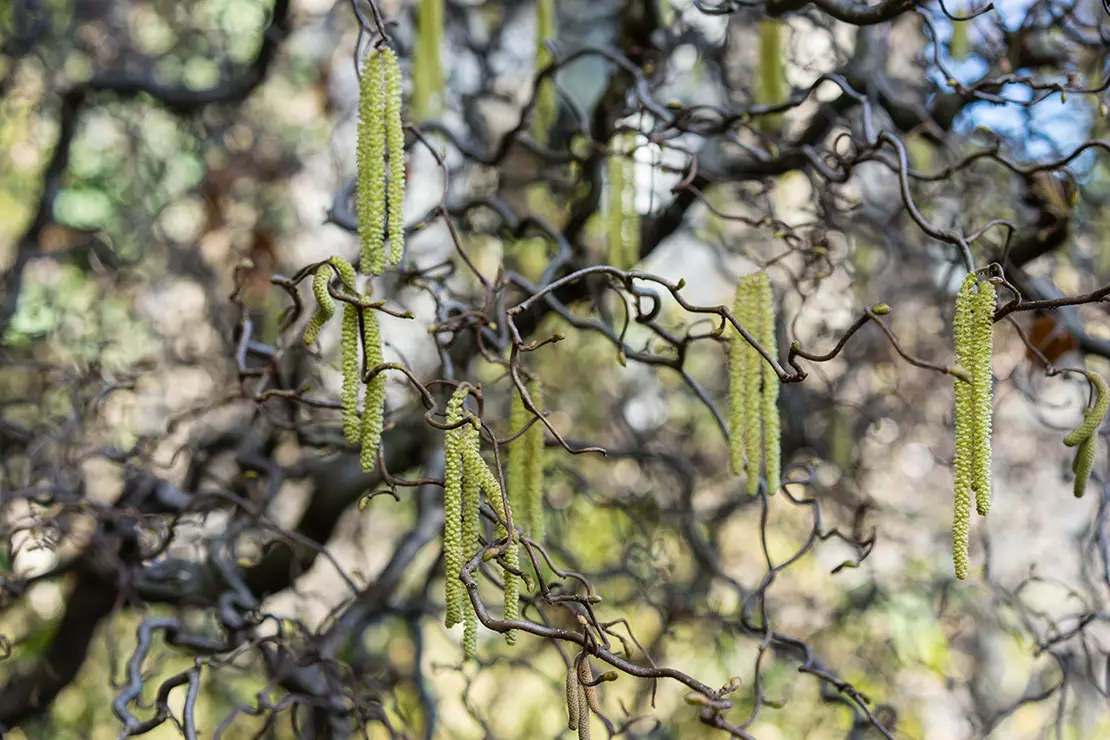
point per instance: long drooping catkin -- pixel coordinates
(427, 69)
(533, 476)
(380, 129)
(373, 409)
(622, 220)
(525, 474)
(545, 100)
(395, 140)
(771, 87)
(370, 192)
(475, 466)
(739, 402)
(455, 595)
(472, 528)
(981, 395)
(963, 332)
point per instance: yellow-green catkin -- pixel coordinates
(981, 394)
(1084, 463)
(533, 477)
(325, 304)
(395, 140)
(587, 698)
(573, 696)
(1092, 418)
(1085, 436)
(346, 274)
(958, 47)
(373, 410)
(737, 388)
(772, 426)
(965, 445)
(370, 192)
(472, 528)
(455, 595)
(753, 412)
(427, 69)
(771, 87)
(475, 466)
(546, 101)
(755, 430)
(622, 220)
(351, 380)
(520, 452)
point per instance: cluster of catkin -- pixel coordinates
(1085, 437)
(367, 430)
(466, 477)
(525, 476)
(581, 696)
(380, 200)
(973, 330)
(755, 432)
(622, 220)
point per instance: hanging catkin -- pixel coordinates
(755, 429)
(325, 304)
(395, 140)
(973, 331)
(962, 330)
(771, 87)
(1085, 436)
(472, 529)
(622, 220)
(545, 95)
(380, 129)
(351, 380)
(427, 69)
(981, 395)
(370, 192)
(373, 409)
(475, 467)
(455, 596)
(772, 428)
(525, 473)
(533, 476)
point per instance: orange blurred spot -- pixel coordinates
(1050, 337)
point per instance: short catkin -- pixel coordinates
(325, 304)
(370, 191)
(1092, 418)
(373, 410)
(1085, 437)
(455, 592)
(573, 691)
